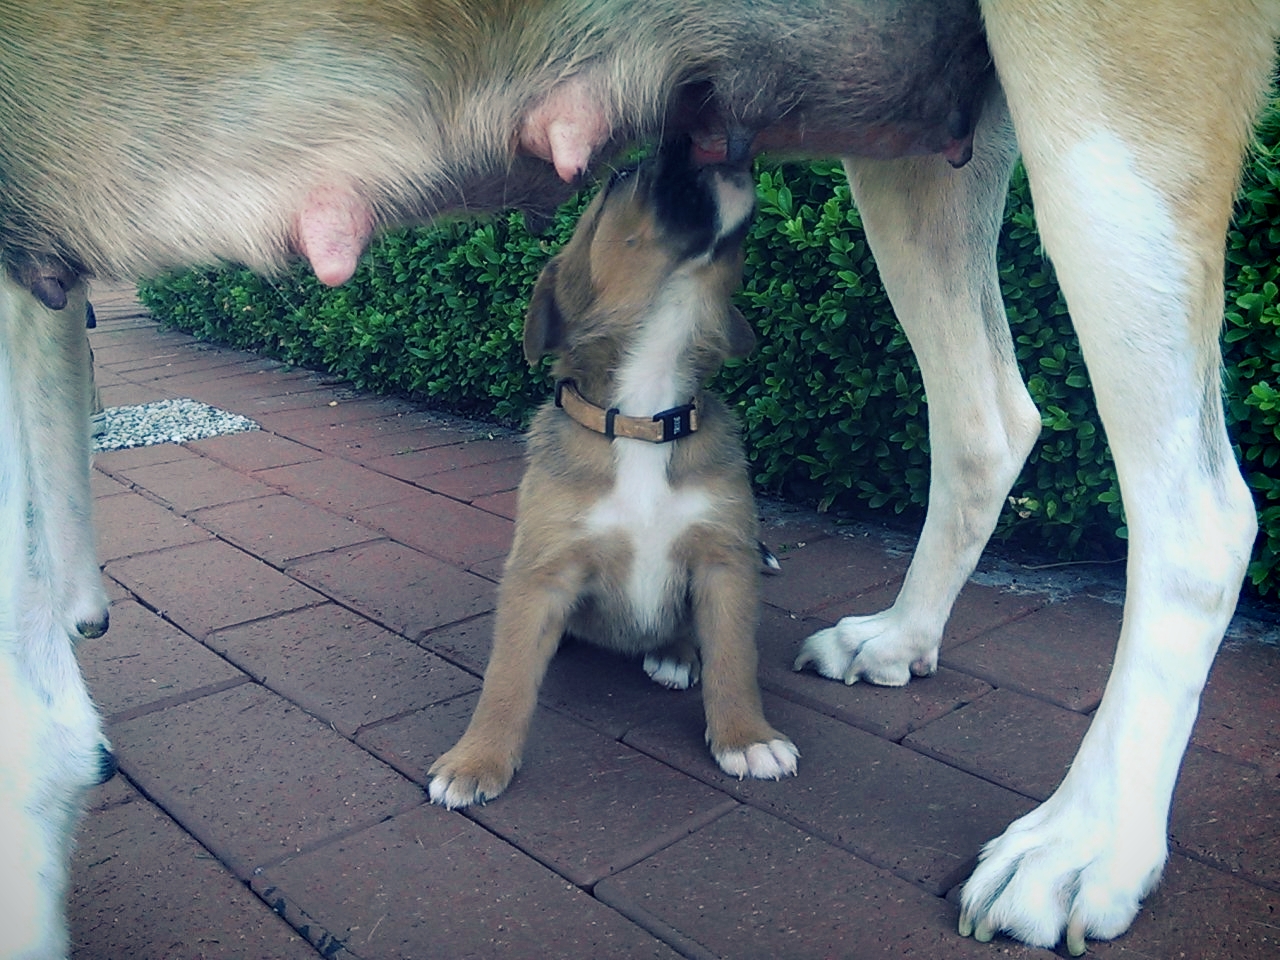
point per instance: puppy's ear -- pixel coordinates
(543, 325)
(742, 339)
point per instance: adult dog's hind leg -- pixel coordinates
(1132, 126)
(933, 231)
(52, 748)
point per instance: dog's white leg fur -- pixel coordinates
(52, 749)
(1131, 129)
(933, 231)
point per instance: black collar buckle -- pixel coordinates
(677, 422)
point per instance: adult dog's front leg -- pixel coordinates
(1132, 132)
(52, 749)
(933, 231)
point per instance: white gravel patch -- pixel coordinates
(166, 421)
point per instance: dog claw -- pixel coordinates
(983, 932)
(1076, 945)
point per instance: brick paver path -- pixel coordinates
(300, 620)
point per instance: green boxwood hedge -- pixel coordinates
(831, 400)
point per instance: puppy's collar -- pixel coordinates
(660, 428)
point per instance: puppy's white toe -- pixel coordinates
(454, 792)
(669, 672)
(761, 761)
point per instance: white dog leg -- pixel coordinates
(933, 231)
(52, 749)
(53, 392)
(1132, 133)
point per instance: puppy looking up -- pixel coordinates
(637, 528)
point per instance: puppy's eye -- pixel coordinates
(619, 176)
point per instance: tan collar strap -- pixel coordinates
(660, 428)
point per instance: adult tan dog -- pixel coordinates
(136, 135)
(636, 527)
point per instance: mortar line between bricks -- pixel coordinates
(302, 923)
(638, 854)
(397, 717)
(245, 882)
(950, 878)
(1000, 624)
(178, 699)
(1217, 867)
(975, 771)
(440, 446)
(246, 471)
(241, 866)
(338, 836)
(283, 568)
(670, 838)
(375, 536)
(168, 814)
(363, 614)
(191, 516)
(681, 943)
(954, 876)
(423, 639)
(865, 724)
(242, 623)
(824, 611)
(1002, 684)
(420, 484)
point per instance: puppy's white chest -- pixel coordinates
(644, 509)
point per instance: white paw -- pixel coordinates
(877, 649)
(455, 792)
(672, 673)
(760, 761)
(1057, 870)
(467, 775)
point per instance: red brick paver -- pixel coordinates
(300, 619)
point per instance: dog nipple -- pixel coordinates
(331, 230)
(566, 127)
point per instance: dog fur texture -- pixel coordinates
(643, 547)
(136, 136)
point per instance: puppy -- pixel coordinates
(637, 528)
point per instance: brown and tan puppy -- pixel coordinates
(636, 528)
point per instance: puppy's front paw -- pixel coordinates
(768, 760)
(464, 776)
